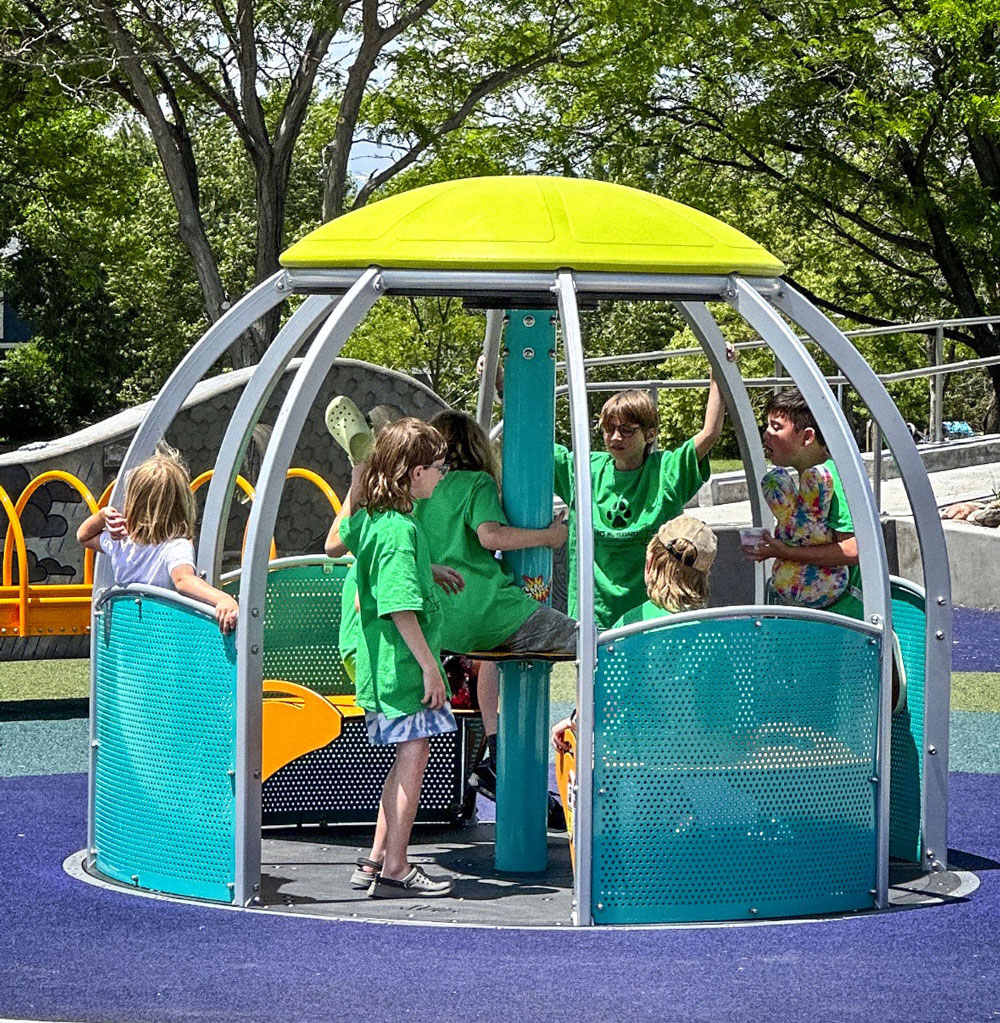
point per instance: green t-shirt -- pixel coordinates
(629, 507)
(393, 566)
(840, 521)
(645, 612)
(491, 608)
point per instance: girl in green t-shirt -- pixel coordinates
(398, 677)
(465, 526)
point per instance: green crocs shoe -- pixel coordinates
(348, 427)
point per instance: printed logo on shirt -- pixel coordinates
(536, 587)
(619, 515)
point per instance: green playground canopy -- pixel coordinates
(532, 223)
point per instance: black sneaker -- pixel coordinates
(484, 779)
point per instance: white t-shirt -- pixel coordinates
(149, 563)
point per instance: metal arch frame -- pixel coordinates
(569, 315)
(491, 358)
(309, 377)
(867, 527)
(933, 557)
(734, 390)
(195, 364)
(245, 416)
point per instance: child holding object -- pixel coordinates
(152, 542)
(816, 553)
(398, 675)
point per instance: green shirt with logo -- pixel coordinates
(629, 507)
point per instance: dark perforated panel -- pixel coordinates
(166, 729)
(733, 771)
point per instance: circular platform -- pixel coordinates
(306, 872)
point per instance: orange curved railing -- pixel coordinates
(47, 477)
(20, 603)
(51, 608)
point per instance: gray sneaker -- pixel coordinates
(416, 884)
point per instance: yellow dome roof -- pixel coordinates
(531, 223)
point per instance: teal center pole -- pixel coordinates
(528, 469)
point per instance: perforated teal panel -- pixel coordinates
(302, 623)
(909, 622)
(733, 766)
(164, 811)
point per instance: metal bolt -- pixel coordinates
(528, 354)
(874, 779)
(138, 600)
(941, 601)
(939, 634)
(378, 284)
(135, 879)
(932, 750)
(758, 624)
(255, 612)
(876, 620)
(929, 854)
(529, 320)
(280, 285)
(231, 773)
(255, 649)
(95, 743)
(753, 910)
(600, 905)
(256, 774)
(611, 648)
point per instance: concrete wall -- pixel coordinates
(94, 455)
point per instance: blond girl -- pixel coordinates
(152, 542)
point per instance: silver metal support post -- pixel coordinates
(707, 331)
(309, 377)
(244, 418)
(491, 357)
(933, 556)
(877, 464)
(580, 425)
(867, 529)
(937, 387)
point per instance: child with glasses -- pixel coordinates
(635, 490)
(398, 675)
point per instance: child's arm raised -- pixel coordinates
(841, 551)
(409, 628)
(111, 519)
(715, 413)
(334, 546)
(496, 537)
(187, 582)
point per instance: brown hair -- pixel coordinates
(468, 446)
(792, 406)
(159, 505)
(670, 583)
(630, 408)
(399, 447)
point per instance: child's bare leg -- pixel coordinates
(400, 796)
(489, 694)
(377, 854)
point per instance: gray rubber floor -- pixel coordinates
(309, 871)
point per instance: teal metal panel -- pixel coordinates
(302, 624)
(909, 622)
(528, 474)
(734, 764)
(166, 730)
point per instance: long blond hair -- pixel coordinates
(468, 446)
(159, 505)
(670, 583)
(399, 447)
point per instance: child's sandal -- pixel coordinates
(363, 879)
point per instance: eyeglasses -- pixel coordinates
(626, 432)
(442, 470)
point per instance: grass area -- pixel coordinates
(726, 464)
(68, 679)
(975, 690)
(45, 680)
